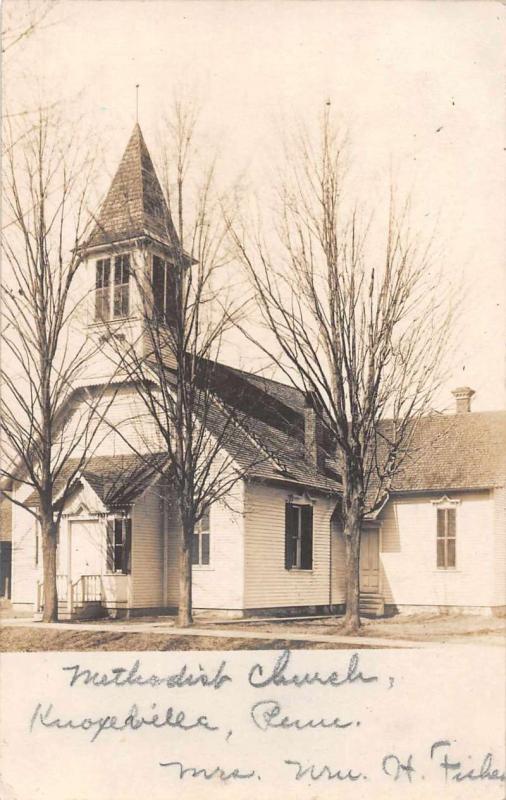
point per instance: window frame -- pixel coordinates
(114, 294)
(164, 313)
(202, 528)
(119, 554)
(449, 534)
(298, 551)
(102, 289)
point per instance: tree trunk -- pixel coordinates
(185, 578)
(49, 532)
(352, 531)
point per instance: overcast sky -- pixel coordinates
(418, 85)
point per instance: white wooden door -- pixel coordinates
(369, 561)
(87, 548)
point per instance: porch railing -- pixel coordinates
(86, 589)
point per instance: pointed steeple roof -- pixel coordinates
(135, 205)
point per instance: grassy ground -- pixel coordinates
(422, 627)
(428, 627)
(27, 640)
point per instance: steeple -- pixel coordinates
(135, 205)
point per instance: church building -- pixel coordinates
(275, 545)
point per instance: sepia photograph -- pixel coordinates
(252, 398)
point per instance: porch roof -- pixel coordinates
(117, 480)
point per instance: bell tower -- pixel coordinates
(131, 251)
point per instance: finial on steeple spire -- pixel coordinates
(137, 102)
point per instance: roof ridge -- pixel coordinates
(264, 378)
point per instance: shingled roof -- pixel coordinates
(135, 205)
(456, 451)
(117, 480)
(267, 439)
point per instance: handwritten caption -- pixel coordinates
(281, 700)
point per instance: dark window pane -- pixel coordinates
(170, 294)
(121, 269)
(158, 286)
(205, 548)
(451, 522)
(127, 547)
(102, 304)
(118, 557)
(110, 545)
(291, 525)
(441, 553)
(441, 523)
(121, 286)
(102, 296)
(103, 273)
(121, 300)
(118, 531)
(451, 553)
(306, 559)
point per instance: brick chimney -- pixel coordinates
(463, 396)
(313, 432)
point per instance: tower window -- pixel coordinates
(121, 286)
(163, 289)
(116, 294)
(102, 289)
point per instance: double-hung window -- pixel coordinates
(119, 545)
(103, 289)
(298, 536)
(121, 285)
(112, 290)
(446, 538)
(201, 542)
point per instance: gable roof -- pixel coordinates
(456, 451)
(116, 480)
(269, 444)
(135, 204)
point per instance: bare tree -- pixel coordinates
(48, 425)
(358, 321)
(199, 422)
(21, 18)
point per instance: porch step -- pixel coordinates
(371, 604)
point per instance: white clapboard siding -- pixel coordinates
(147, 550)
(499, 499)
(409, 573)
(126, 427)
(173, 533)
(338, 564)
(25, 572)
(267, 582)
(219, 585)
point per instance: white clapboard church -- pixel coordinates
(275, 545)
